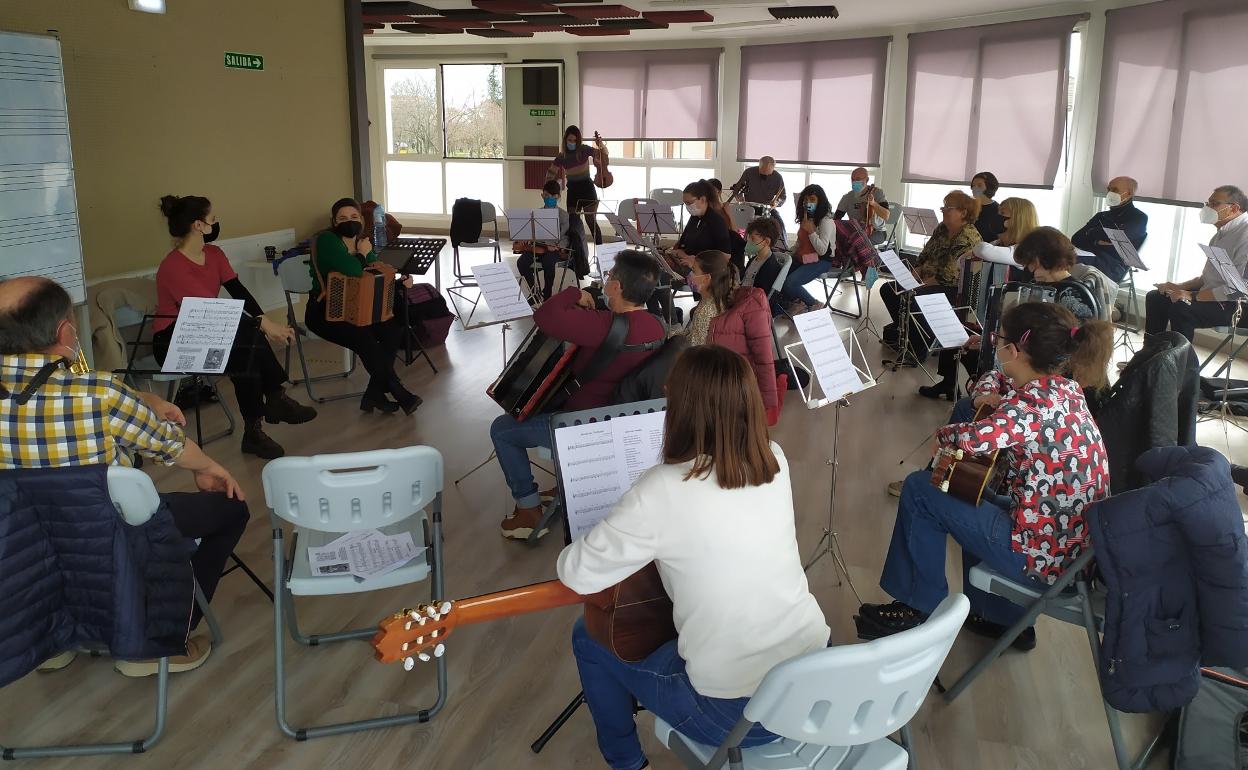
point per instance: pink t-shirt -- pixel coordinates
(179, 277)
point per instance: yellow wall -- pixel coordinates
(152, 110)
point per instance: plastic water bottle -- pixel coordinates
(379, 228)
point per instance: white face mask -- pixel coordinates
(694, 209)
(1209, 216)
(1113, 199)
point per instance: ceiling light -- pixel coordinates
(147, 6)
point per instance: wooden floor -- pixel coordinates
(510, 679)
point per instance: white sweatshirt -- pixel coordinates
(729, 561)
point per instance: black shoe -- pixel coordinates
(1239, 474)
(279, 407)
(411, 403)
(369, 402)
(257, 442)
(976, 624)
(878, 620)
(942, 389)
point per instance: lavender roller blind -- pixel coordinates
(814, 102)
(651, 94)
(1172, 100)
(990, 98)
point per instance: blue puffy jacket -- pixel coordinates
(1174, 558)
(74, 574)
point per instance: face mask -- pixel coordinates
(348, 229)
(571, 146)
(1209, 216)
(550, 202)
(216, 231)
(1113, 199)
(858, 186)
(700, 282)
(695, 210)
(810, 207)
(751, 248)
(978, 191)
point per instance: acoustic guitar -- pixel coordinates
(632, 618)
(603, 179)
(967, 476)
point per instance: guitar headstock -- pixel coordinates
(414, 634)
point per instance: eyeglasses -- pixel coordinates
(947, 209)
(995, 337)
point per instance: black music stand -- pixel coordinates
(412, 256)
(560, 420)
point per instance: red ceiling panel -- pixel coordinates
(595, 31)
(514, 6)
(520, 26)
(599, 11)
(491, 32)
(678, 17)
(425, 29)
(388, 19)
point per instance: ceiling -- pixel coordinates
(462, 22)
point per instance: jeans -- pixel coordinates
(914, 570)
(549, 261)
(661, 685)
(217, 522)
(963, 411)
(512, 442)
(799, 276)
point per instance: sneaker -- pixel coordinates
(520, 524)
(548, 495)
(279, 407)
(976, 624)
(818, 306)
(894, 488)
(257, 442)
(57, 662)
(797, 308)
(878, 620)
(197, 651)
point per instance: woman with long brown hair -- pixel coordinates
(716, 516)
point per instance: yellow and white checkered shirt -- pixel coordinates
(77, 419)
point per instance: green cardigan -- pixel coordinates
(332, 257)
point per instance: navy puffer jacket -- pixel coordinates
(1174, 558)
(74, 574)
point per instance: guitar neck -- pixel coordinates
(514, 601)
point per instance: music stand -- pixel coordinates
(1127, 252)
(1238, 291)
(920, 221)
(832, 367)
(413, 256)
(625, 229)
(534, 226)
(655, 221)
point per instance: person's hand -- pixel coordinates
(1104, 243)
(991, 399)
(365, 245)
(974, 342)
(408, 281)
(218, 479)
(687, 260)
(163, 409)
(277, 332)
(1165, 288)
(586, 300)
(808, 225)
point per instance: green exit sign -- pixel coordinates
(243, 61)
(541, 113)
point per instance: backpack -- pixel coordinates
(646, 380)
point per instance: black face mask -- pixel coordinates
(348, 229)
(216, 231)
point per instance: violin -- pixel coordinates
(603, 179)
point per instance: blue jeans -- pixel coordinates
(512, 442)
(914, 570)
(799, 276)
(661, 685)
(963, 411)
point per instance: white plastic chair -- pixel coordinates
(326, 496)
(670, 196)
(628, 207)
(136, 500)
(296, 277)
(489, 220)
(835, 708)
(742, 214)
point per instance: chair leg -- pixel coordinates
(210, 617)
(240, 564)
(907, 743)
(1094, 642)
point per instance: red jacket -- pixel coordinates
(746, 329)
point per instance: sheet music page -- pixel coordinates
(203, 335)
(828, 356)
(537, 225)
(1221, 262)
(945, 325)
(605, 253)
(599, 461)
(905, 278)
(501, 291)
(1125, 248)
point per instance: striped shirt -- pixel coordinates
(575, 166)
(77, 419)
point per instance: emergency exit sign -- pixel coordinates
(243, 61)
(541, 113)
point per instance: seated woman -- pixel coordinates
(550, 254)
(939, 264)
(1057, 467)
(736, 317)
(714, 515)
(812, 252)
(706, 229)
(1049, 255)
(345, 249)
(766, 254)
(196, 268)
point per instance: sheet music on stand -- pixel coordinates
(942, 319)
(604, 256)
(501, 291)
(656, 220)
(1125, 248)
(831, 354)
(626, 229)
(203, 335)
(600, 453)
(905, 279)
(920, 221)
(533, 225)
(1221, 262)
(413, 256)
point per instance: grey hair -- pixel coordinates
(1234, 195)
(766, 160)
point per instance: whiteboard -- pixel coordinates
(39, 232)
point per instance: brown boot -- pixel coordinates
(257, 442)
(520, 524)
(279, 407)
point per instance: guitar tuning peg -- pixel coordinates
(404, 647)
(419, 640)
(414, 614)
(445, 608)
(432, 612)
(434, 634)
(424, 657)
(407, 626)
(422, 620)
(439, 651)
(408, 664)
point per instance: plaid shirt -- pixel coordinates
(77, 420)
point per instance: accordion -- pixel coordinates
(537, 377)
(361, 300)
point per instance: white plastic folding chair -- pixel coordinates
(489, 222)
(742, 214)
(890, 226)
(326, 496)
(136, 501)
(296, 278)
(628, 207)
(670, 196)
(836, 708)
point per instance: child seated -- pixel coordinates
(550, 253)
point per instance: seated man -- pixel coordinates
(70, 419)
(550, 254)
(1203, 302)
(865, 204)
(571, 315)
(1121, 215)
(762, 184)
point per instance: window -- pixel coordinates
(668, 94)
(412, 123)
(835, 183)
(642, 166)
(472, 97)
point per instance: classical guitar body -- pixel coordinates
(965, 476)
(636, 618)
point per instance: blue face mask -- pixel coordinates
(550, 202)
(810, 207)
(858, 186)
(571, 146)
